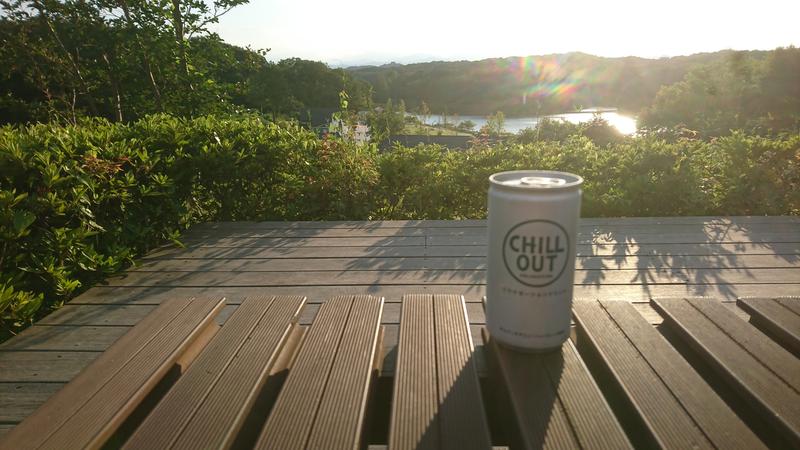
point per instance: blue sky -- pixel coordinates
(349, 32)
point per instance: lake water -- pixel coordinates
(625, 124)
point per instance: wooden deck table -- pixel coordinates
(370, 334)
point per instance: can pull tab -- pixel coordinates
(542, 181)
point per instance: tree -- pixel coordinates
(780, 90)
(712, 99)
(119, 59)
(424, 111)
(494, 124)
(466, 126)
(387, 121)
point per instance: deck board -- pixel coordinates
(778, 317)
(555, 400)
(107, 295)
(602, 239)
(708, 410)
(757, 383)
(790, 303)
(661, 413)
(233, 366)
(24, 398)
(587, 226)
(86, 412)
(341, 342)
(666, 250)
(445, 277)
(43, 366)
(619, 259)
(439, 403)
(741, 261)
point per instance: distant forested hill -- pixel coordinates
(548, 83)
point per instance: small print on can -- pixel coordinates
(533, 225)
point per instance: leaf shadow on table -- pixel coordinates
(710, 258)
(716, 257)
(287, 261)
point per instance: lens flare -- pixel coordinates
(547, 77)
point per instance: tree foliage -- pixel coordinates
(532, 85)
(293, 86)
(387, 121)
(124, 59)
(740, 92)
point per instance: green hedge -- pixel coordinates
(642, 176)
(80, 202)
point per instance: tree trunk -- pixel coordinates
(177, 23)
(115, 85)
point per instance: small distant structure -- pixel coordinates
(360, 134)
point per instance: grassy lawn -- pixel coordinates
(431, 131)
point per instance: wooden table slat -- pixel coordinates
(781, 322)
(462, 417)
(340, 416)
(590, 416)
(140, 375)
(415, 402)
(664, 417)
(771, 355)
(777, 401)
(791, 303)
(437, 400)
(236, 359)
(89, 409)
(720, 424)
(555, 400)
(293, 416)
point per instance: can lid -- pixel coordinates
(536, 180)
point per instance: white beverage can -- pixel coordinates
(533, 228)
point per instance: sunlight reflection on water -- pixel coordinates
(625, 124)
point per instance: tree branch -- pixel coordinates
(123, 4)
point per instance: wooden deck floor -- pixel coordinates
(619, 259)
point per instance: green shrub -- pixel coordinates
(643, 176)
(79, 202)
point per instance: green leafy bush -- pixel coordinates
(79, 202)
(643, 176)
